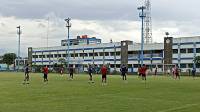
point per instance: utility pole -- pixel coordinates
(47, 32)
(142, 16)
(68, 25)
(48, 40)
(19, 32)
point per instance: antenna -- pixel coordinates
(148, 23)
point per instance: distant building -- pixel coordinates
(1, 59)
(179, 51)
(81, 40)
(21, 63)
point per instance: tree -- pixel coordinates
(9, 58)
(62, 61)
(197, 60)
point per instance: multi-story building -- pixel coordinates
(180, 51)
(81, 40)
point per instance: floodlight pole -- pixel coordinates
(48, 40)
(68, 25)
(19, 34)
(142, 16)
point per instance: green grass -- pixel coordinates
(161, 94)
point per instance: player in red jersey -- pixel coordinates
(45, 71)
(104, 73)
(139, 71)
(144, 72)
(177, 72)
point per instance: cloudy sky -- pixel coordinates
(106, 19)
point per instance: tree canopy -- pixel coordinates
(197, 60)
(9, 58)
(62, 61)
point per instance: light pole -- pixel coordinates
(142, 16)
(48, 40)
(19, 33)
(68, 25)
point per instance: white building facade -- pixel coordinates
(179, 51)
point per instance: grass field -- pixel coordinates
(161, 94)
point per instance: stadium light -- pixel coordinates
(19, 32)
(167, 34)
(142, 16)
(68, 25)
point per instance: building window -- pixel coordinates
(183, 50)
(153, 66)
(35, 56)
(118, 53)
(183, 66)
(190, 50)
(64, 55)
(175, 51)
(130, 52)
(59, 55)
(158, 51)
(96, 54)
(72, 55)
(147, 52)
(86, 54)
(197, 66)
(160, 66)
(41, 56)
(129, 66)
(198, 50)
(190, 65)
(81, 54)
(76, 55)
(101, 54)
(106, 53)
(135, 66)
(90, 54)
(55, 55)
(118, 66)
(112, 66)
(112, 54)
(50, 56)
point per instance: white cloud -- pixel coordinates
(34, 31)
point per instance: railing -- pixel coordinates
(145, 55)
